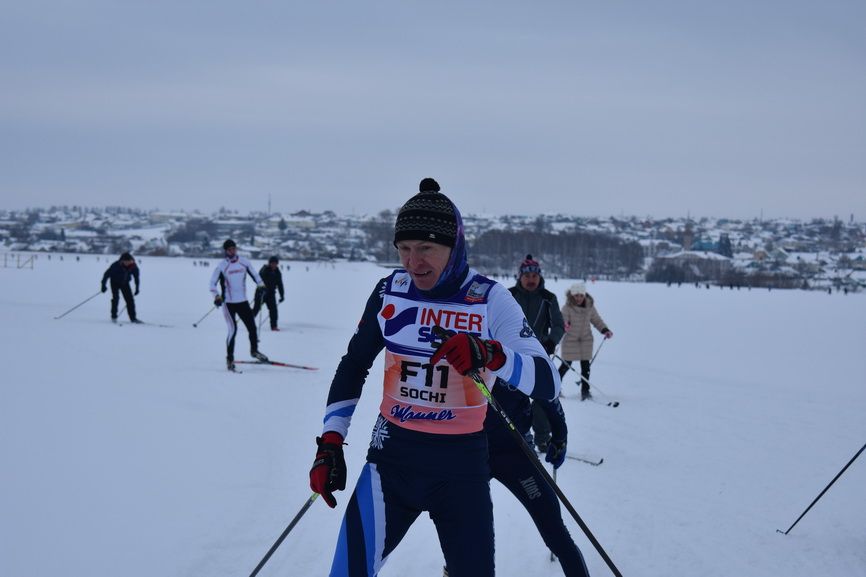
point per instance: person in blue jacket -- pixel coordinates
(273, 281)
(428, 450)
(120, 273)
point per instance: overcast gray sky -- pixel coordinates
(648, 107)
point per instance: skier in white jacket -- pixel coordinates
(228, 284)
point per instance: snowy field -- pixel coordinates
(130, 450)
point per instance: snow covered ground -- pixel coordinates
(129, 450)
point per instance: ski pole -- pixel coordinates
(839, 474)
(263, 318)
(545, 475)
(570, 366)
(78, 305)
(552, 556)
(533, 458)
(598, 350)
(212, 309)
(582, 378)
(284, 535)
(257, 300)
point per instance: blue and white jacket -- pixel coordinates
(434, 399)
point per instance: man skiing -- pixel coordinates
(120, 272)
(508, 463)
(228, 284)
(273, 279)
(428, 450)
(545, 319)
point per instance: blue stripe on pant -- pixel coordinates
(359, 546)
(386, 502)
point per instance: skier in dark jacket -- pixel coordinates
(120, 272)
(509, 465)
(545, 319)
(273, 280)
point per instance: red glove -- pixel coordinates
(328, 473)
(467, 353)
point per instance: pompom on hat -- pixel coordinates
(428, 185)
(529, 265)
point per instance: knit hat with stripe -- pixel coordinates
(529, 264)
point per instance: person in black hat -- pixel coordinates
(273, 279)
(228, 285)
(120, 273)
(438, 321)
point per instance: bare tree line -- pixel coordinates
(578, 254)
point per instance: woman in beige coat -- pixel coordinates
(579, 313)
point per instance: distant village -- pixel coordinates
(818, 254)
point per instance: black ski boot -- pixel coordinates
(230, 363)
(260, 357)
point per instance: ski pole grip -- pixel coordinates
(443, 334)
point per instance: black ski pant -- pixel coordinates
(584, 373)
(408, 473)
(540, 426)
(386, 502)
(270, 299)
(127, 297)
(242, 310)
(512, 468)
